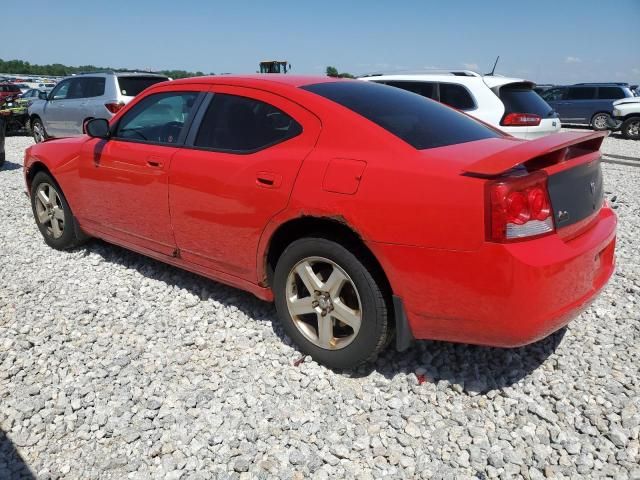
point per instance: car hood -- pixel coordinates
(627, 100)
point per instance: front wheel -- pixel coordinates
(330, 303)
(631, 128)
(38, 131)
(600, 121)
(52, 213)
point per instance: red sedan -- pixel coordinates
(364, 211)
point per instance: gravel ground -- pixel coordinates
(115, 366)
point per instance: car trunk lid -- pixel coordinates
(571, 161)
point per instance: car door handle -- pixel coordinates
(154, 162)
(268, 179)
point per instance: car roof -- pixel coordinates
(259, 79)
(470, 80)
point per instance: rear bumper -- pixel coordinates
(503, 295)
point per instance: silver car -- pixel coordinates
(76, 100)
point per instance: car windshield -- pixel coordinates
(133, 85)
(421, 122)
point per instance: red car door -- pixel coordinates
(124, 181)
(235, 173)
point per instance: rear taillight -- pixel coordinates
(518, 208)
(521, 120)
(114, 107)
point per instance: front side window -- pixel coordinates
(414, 119)
(61, 91)
(581, 93)
(158, 118)
(456, 96)
(240, 124)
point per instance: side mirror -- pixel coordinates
(43, 96)
(98, 128)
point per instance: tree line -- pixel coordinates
(20, 67)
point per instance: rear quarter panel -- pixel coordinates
(405, 196)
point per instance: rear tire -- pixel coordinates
(38, 131)
(600, 121)
(631, 128)
(344, 321)
(52, 213)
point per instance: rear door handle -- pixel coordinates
(154, 162)
(268, 179)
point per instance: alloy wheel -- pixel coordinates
(38, 133)
(49, 210)
(600, 122)
(324, 303)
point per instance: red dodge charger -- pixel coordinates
(364, 211)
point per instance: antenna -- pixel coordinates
(494, 66)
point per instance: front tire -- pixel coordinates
(38, 131)
(600, 121)
(330, 303)
(631, 128)
(53, 214)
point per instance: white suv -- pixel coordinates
(76, 100)
(509, 104)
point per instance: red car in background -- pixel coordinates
(363, 210)
(8, 90)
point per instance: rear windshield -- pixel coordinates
(132, 86)
(420, 122)
(520, 98)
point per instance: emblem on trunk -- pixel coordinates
(563, 215)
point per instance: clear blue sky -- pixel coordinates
(544, 40)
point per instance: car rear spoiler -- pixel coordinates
(539, 153)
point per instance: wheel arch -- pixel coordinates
(333, 228)
(336, 228)
(34, 169)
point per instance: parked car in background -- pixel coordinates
(2, 133)
(77, 99)
(586, 103)
(539, 88)
(509, 104)
(366, 212)
(9, 90)
(34, 94)
(626, 115)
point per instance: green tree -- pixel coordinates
(332, 72)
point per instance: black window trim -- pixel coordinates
(183, 133)
(199, 116)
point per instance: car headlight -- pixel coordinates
(617, 113)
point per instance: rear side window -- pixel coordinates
(131, 86)
(610, 93)
(456, 96)
(240, 124)
(412, 118)
(93, 86)
(520, 98)
(426, 89)
(581, 93)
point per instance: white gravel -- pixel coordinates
(115, 366)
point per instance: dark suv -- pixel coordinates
(586, 103)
